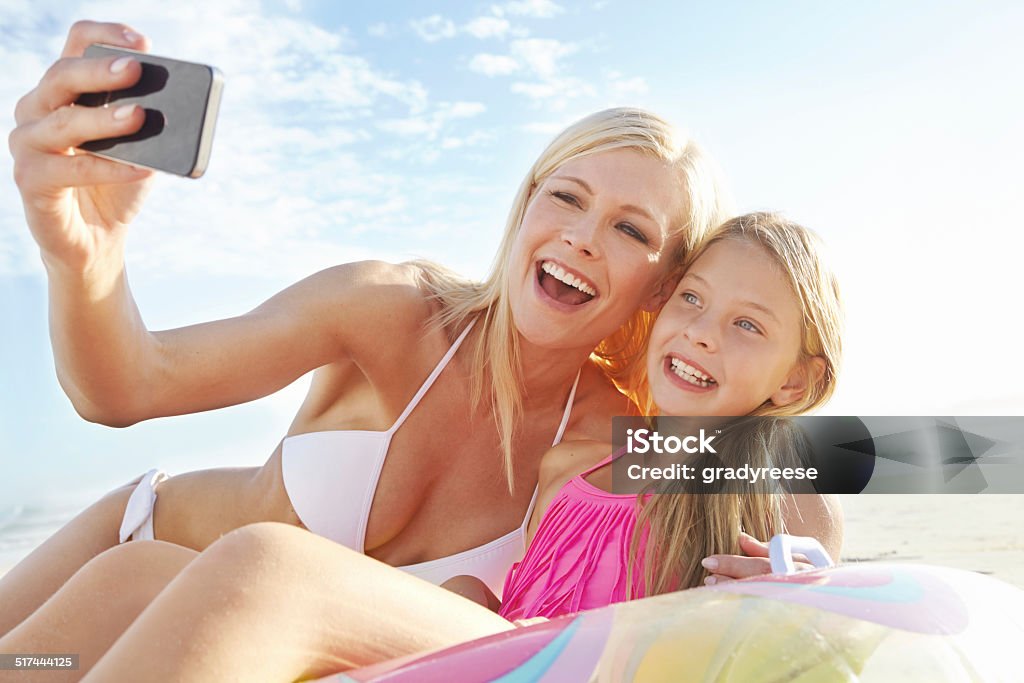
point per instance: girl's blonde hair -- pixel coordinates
(494, 345)
(681, 527)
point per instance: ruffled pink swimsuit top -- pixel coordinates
(578, 558)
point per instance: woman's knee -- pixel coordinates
(261, 553)
(130, 574)
(259, 542)
(139, 560)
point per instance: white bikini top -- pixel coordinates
(331, 478)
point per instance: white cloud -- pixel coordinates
(379, 30)
(429, 126)
(543, 128)
(487, 27)
(556, 93)
(620, 87)
(540, 9)
(433, 28)
(461, 110)
(493, 65)
(542, 55)
(475, 138)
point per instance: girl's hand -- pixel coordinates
(79, 205)
(753, 562)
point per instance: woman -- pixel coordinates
(603, 213)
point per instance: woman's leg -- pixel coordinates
(96, 605)
(32, 581)
(271, 602)
(192, 509)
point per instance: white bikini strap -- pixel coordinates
(432, 377)
(567, 411)
(137, 523)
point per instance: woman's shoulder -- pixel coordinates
(381, 298)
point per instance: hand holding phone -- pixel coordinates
(180, 101)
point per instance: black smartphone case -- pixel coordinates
(180, 100)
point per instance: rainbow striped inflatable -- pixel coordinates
(856, 623)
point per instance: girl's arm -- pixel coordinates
(818, 516)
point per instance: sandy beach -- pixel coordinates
(982, 533)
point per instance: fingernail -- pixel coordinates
(132, 36)
(121, 113)
(120, 65)
(710, 581)
(709, 563)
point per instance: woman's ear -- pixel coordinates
(662, 293)
(807, 373)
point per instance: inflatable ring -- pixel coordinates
(855, 624)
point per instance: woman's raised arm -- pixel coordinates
(78, 208)
(118, 373)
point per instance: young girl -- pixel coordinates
(751, 329)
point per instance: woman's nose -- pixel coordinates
(582, 237)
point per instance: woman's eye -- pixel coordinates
(565, 197)
(691, 298)
(633, 232)
(749, 326)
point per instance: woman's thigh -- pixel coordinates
(306, 605)
(98, 603)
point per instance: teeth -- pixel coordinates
(691, 374)
(558, 273)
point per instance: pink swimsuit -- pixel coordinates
(577, 560)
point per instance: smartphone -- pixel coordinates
(180, 99)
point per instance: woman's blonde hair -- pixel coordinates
(682, 528)
(494, 346)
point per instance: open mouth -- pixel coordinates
(688, 373)
(563, 286)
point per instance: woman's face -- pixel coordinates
(728, 339)
(593, 247)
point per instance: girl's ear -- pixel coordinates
(662, 293)
(804, 374)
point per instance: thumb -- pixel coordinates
(751, 547)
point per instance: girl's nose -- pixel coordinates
(700, 331)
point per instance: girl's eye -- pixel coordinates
(633, 232)
(565, 197)
(691, 298)
(749, 326)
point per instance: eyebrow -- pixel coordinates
(749, 304)
(627, 207)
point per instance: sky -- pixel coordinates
(401, 130)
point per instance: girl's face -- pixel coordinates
(729, 337)
(592, 247)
